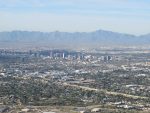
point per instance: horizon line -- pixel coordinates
(74, 31)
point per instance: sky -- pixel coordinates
(126, 16)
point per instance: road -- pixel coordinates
(105, 91)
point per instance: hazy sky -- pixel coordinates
(128, 16)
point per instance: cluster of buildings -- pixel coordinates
(78, 68)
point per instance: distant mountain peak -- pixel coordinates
(77, 39)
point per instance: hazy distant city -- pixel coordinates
(74, 56)
(67, 81)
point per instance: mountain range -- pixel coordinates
(99, 38)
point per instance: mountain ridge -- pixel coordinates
(75, 39)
